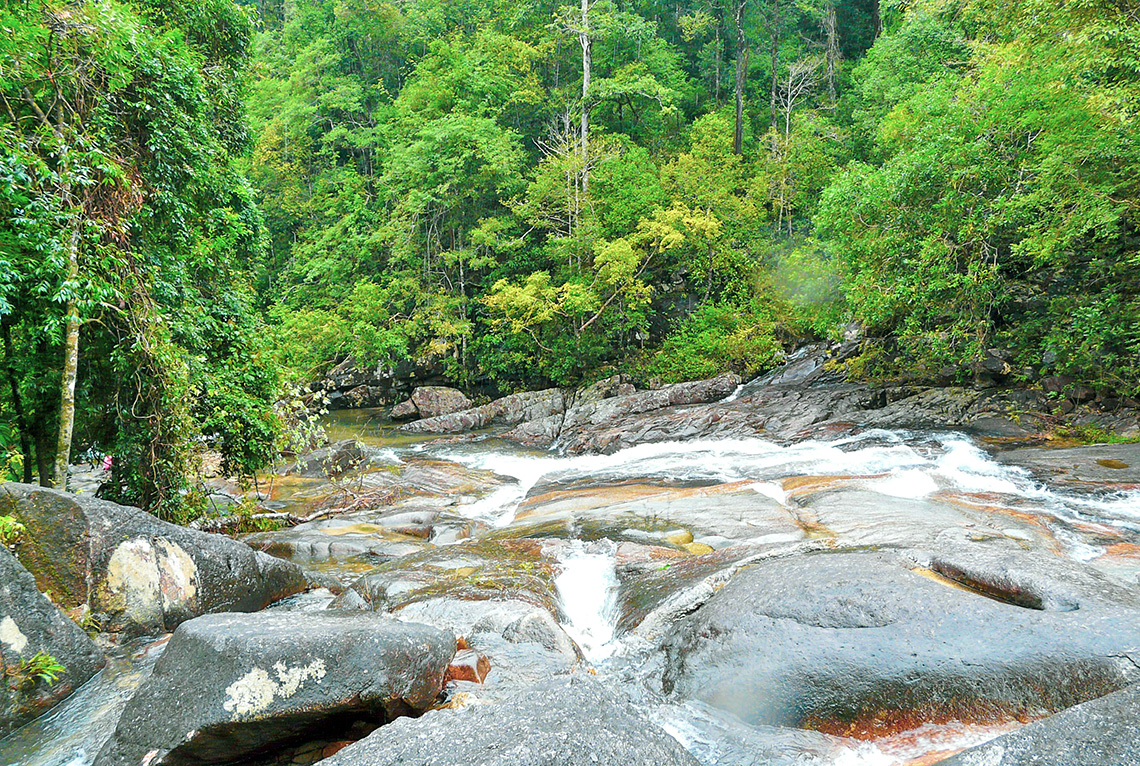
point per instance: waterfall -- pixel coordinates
(588, 588)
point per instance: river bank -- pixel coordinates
(783, 575)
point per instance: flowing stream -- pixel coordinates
(588, 589)
(890, 465)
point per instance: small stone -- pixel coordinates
(405, 410)
(468, 665)
(679, 536)
(698, 549)
(333, 748)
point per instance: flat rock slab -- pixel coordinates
(867, 643)
(1094, 464)
(648, 512)
(139, 575)
(30, 624)
(230, 686)
(867, 515)
(567, 721)
(715, 737)
(1102, 732)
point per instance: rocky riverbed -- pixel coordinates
(796, 571)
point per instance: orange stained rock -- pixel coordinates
(806, 485)
(930, 574)
(468, 665)
(1123, 550)
(637, 553)
(333, 748)
(898, 725)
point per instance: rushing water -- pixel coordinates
(72, 732)
(892, 464)
(588, 590)
(897, 464)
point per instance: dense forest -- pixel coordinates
(206, 204)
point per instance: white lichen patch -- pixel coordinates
(254, 692)
(133, 583)
(290, 679)
(178, 576)
(11, 635)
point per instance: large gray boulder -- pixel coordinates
(231, 686)
(845, 642)
(1096, 464)
(29, 625)
(432, 401)
(137, 574)
(1102, 732)
(574, 428)
(566, 721)
(516, 408)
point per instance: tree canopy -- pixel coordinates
(204, 201)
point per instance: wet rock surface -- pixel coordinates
(561, 722)
(31, 626)
(762, 559)
(1094, 465)
(229, 687)
(1101, 732)
(859, 642)
(719, 739)
(138, 575)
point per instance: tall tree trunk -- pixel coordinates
(70, 370)
(719, 51)
(831, 28)
(741, 72)
(17, 401)
(774, 34)
(43, 453)
(876, 19)
(584, 39)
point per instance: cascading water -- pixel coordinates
(898, 466)
(588, 589)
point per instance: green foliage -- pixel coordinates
(11, 531)
(40, 667)
(258, 191)
(121, 123)
(716, 338)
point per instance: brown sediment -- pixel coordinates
(942, 579)
(889, 724)
(1123, 550)
(1111, 463)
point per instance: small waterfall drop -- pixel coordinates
(588, 590)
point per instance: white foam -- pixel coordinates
(734, 395)
(770, 490)
(912, 483)
(864, 755)
(588, 588)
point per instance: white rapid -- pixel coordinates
(895, 464)
(588, 588)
